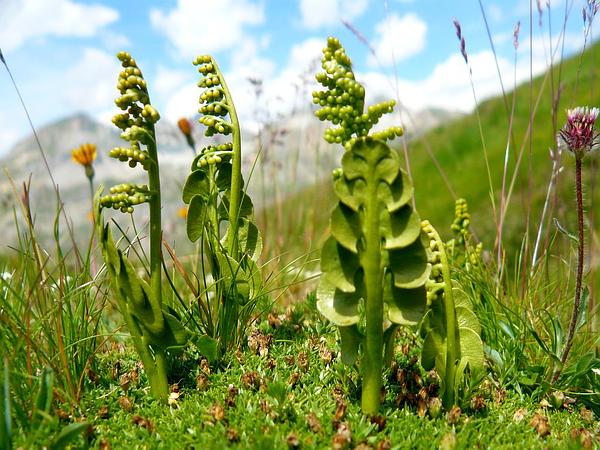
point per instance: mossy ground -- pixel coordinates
(288, 389)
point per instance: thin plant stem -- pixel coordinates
(155, 229)
(527, 197)
(505, 171)
(485, 152)
(555, 172)
(236, 170)
(578, 282)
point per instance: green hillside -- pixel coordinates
(457, 147)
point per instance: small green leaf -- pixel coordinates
(467, 319)
(244, 277)
(339, 265)
(471, 349)
(223, 178)
(196, 184)
(507, 329)
(351, 194)
(405, 306)
(346, 227)
(176, 335)
(208, 347)
(410, 265)
(246, 207)
(432, 347)
(400, 228)
(339, 307)
(371, 160)
(397, 194)
(129, 283)
(196, 218)
(249, 239)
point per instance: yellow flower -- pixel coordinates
(85, 154)
(185, 126)
(182, 212)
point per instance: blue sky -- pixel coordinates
(62, 51)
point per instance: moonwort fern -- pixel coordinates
(450, 328)
(220, 214)
(376, 261)
(155, 328)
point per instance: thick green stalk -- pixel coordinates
(153, 361)
(157, 372)
(159, 381)
(373, 350)
(235, 198)
(155, 235)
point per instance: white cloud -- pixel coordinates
(90, 82)
(448, 85)
(179, 93)
(167, 80)
(305, 53)
(197, 27)
(114, 41)
(398, 38)
(182, 102)
(283, 90)
(495, 12)
(21, 21)
(88, 85)
(322, 13)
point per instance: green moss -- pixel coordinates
(264, 414)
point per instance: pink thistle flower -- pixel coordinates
(579, 134)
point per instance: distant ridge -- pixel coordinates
(289, 148)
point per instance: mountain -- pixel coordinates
(289, 155)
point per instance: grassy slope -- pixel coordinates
(458, 148)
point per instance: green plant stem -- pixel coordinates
(159, 381)
(578, 282)
(236, 170)
(450, 312)
(92, 191)
(155, 364)
(154, 360)
(155, 235)
(373, 351)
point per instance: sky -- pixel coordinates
(62, 52)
